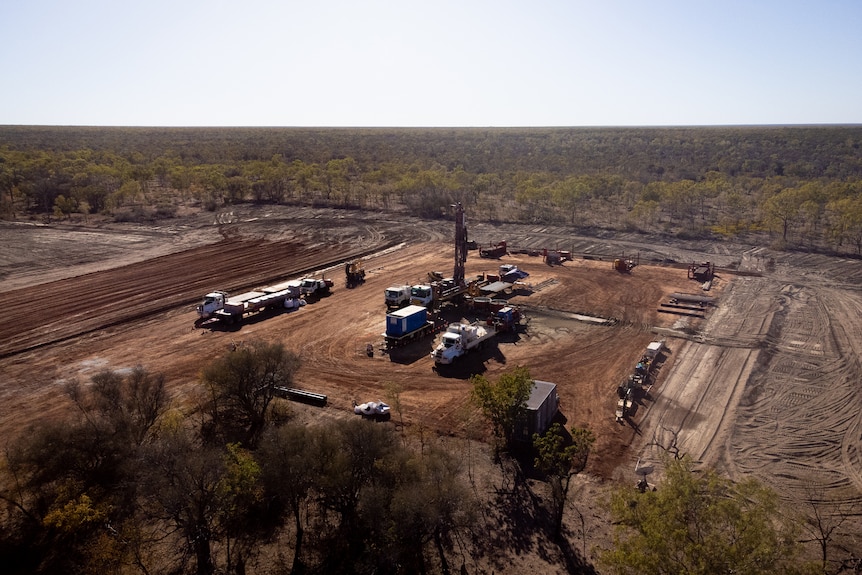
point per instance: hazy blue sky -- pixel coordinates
(432, 63)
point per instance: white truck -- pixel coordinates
(397, 296)
(218, 305)
(315, 287)
(433, 294)
(459, 339)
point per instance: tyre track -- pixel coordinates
(800, 425)
(56, 311)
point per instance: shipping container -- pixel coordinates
(406, 320)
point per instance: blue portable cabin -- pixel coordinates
(406, 320)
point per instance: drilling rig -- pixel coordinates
(460, 244)
(436, 292)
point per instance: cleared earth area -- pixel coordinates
(768, 384)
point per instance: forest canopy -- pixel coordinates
(789, 186)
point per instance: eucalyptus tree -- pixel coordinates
(240, 388)
(701, 523)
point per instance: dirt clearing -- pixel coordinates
(766, 385)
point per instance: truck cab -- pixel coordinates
(460, 339)
(422, 295)
(449, 349)
(213, 302)
(397, 296)
(315, 287)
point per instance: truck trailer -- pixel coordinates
(218, 305)
(494, 251)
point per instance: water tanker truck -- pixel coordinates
(461, 338)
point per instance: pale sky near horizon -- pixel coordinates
(446, 63)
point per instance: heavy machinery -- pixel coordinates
(354, 273)
(638, 382)
(497, 250)
(460, 245)
(507, 319)
(437, 291)
(623, 265)
(556, 257)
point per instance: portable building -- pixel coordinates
(654, 348)
(539, 410)
(406, 320)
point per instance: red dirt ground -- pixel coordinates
(142, 314)
(766, 386)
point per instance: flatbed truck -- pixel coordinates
(218, 305)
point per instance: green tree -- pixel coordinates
(570, 195)
(783, 209)
(240, 510)
(700, 523)
(288, 478)
(846, 217)
(416, 499)
(345, 463)
(68, 480)
(182, 487)
(560, 457)
(501, 402)
(241, 386)
(63, 206)
(122, 405)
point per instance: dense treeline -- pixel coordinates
(133, 484)
(633, 153)
(129, 482)
(790, 186)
